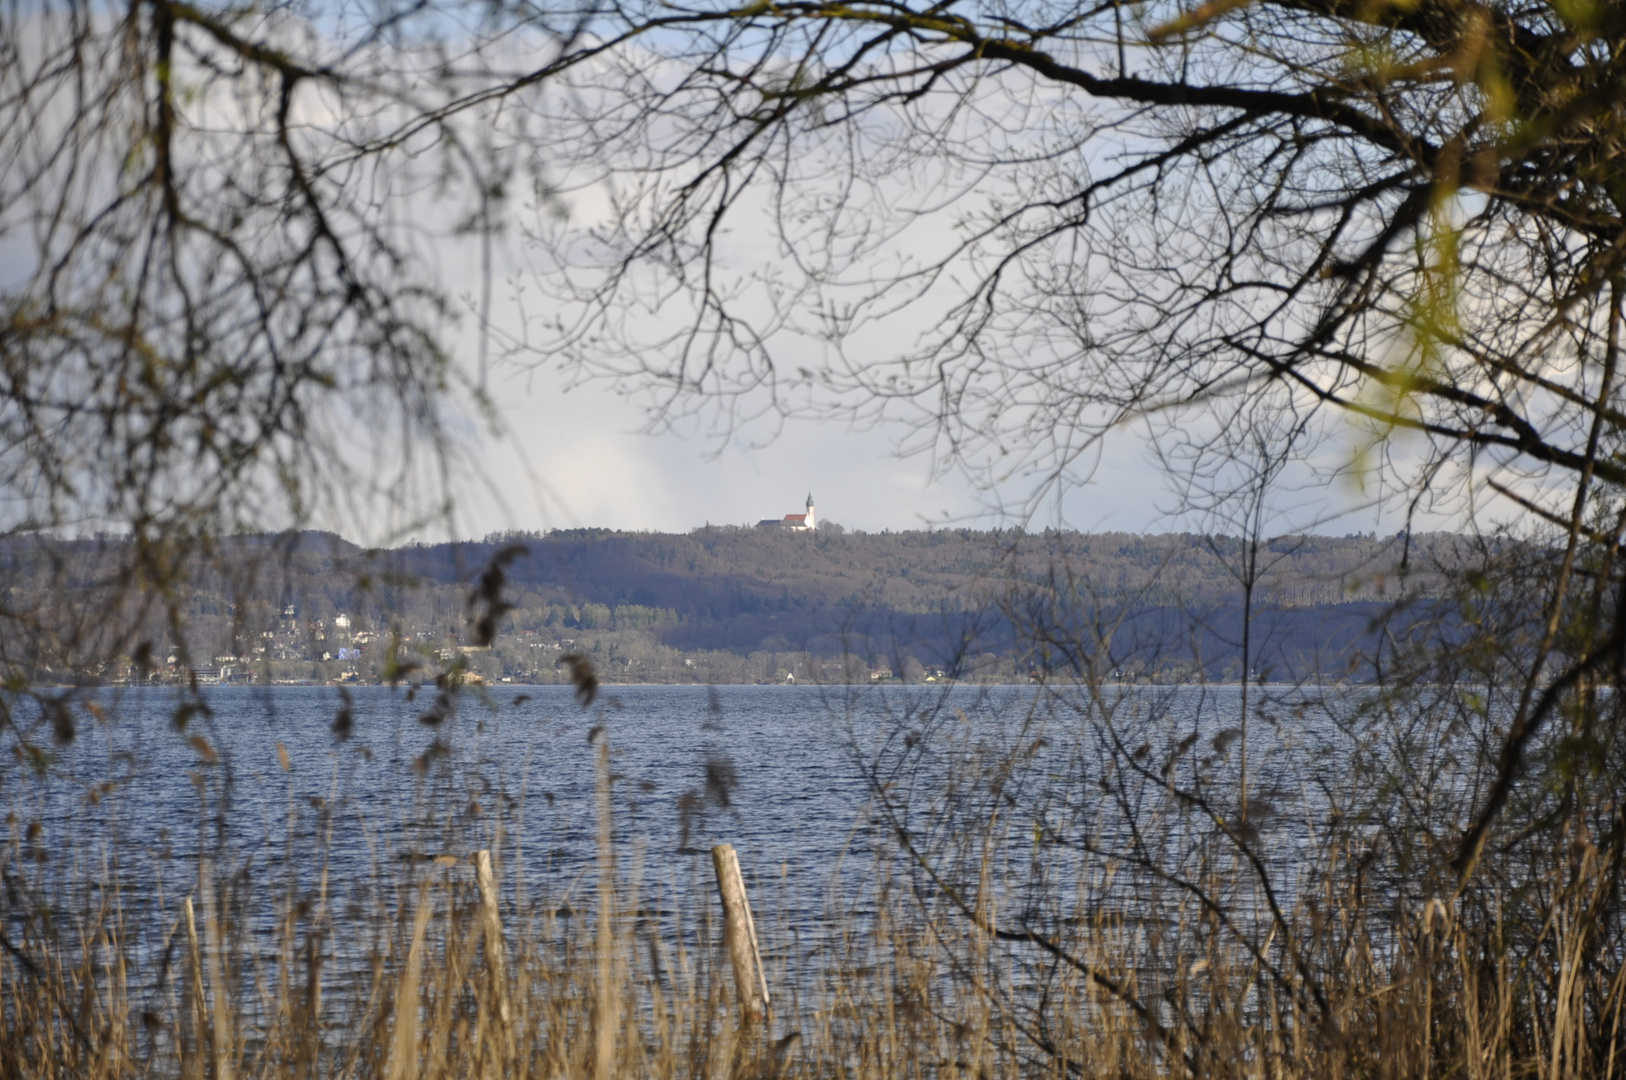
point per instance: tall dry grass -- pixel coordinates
(449, 966)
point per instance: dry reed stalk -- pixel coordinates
(607, 1014)
(1409, 996)
(1614, 1000)
(443, 984)
(220, 1035)
(1569, 1012)
(498, 1030)
(308, 1036)
(198, 1011)
(402, 1063)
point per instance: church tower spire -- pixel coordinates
(811, 523)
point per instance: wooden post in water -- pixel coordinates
(740, 935)
(496, 962)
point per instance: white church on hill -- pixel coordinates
(794, 522)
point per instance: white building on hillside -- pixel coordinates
(795, 522)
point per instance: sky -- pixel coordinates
(566, 457)
(574, 456)
(584, 457)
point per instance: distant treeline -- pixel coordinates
(1164, 603)
(748, 604)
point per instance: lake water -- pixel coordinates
(780, 772)
(776, 771)
(788, 775)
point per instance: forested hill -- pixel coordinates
(722, 573)
(931, 599)
(736, 604)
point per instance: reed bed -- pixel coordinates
(985, 952)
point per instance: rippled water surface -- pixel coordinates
(776, 771)
(260, 783)
(780, 772)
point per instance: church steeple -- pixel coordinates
(796, 522)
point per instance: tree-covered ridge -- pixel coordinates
(718, 571)
(739, 604)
